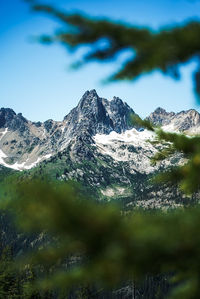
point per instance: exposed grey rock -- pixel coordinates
(25, 143)
(98, 115)
(160, 116)
(6, 116)
(36, 141)
(182, 121)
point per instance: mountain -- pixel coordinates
(184, 121)
(23, 143)
(96, 145)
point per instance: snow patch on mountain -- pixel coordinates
(3, 133)
(131, 146)
(15, 166)
(129, 136)
(2, 156)
(170, 128)
(94, 122)
(21, 166)
(33, 164)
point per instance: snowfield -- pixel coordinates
(131, 146)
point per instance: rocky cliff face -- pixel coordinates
(96, 145)
(184, 121)
(97, 115)
(23, 143)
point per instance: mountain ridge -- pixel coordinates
(24, 144)
(96, 145)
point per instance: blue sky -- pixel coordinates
(36, 80)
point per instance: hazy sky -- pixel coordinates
(36, 80)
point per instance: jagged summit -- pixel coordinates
(160, 110)
(24, 143)
(89, 98)
(91, 92)
(117, 100)
(181, 121)
(160, 116)
(9, 119)
(98, 115)
(6, 115)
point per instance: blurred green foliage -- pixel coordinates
(17, 283)
(165, 50)
(94, 243)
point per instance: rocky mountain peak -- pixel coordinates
(23, 143)
(194, 117)
(89, 98)
(117, 100)
(160, 116)
(98, 116)
(9, 119)
(6, 116)
(91, 92)
(160, 110)
(183, 121)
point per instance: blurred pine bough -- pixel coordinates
(165, 49)
(107, 245)
(102, 245)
